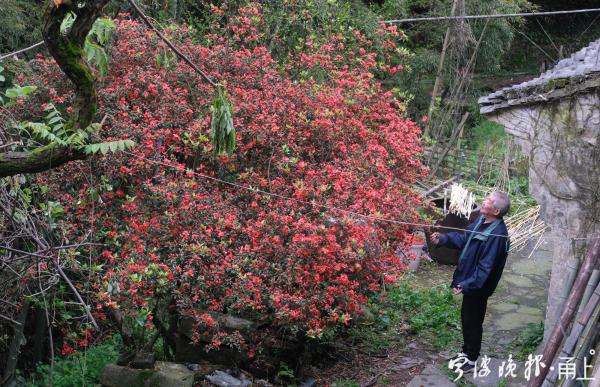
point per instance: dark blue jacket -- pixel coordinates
(480, 266)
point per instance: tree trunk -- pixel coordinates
(15, 345)
(68, 51)
(440, 69)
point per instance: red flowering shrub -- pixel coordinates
(318, 133)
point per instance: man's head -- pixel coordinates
(496, 204)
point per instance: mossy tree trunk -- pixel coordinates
(68, 51)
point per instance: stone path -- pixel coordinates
(519, 300)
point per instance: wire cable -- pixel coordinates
(494, 16)
(422, 226)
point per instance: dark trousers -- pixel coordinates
(472, 314)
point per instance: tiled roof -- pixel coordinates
(570, 75)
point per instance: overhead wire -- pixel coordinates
(422, 226)
(492, 16)
(334, 208)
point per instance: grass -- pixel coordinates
(431, 313)
(80, 369)
(462, 382)
(528, 341)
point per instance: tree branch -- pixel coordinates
(37, 160)
(68, 51)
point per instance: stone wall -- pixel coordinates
(562, 139)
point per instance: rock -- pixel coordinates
(236, 323)
(310, 382)
(164, 374)
(407, 362)
(262, 383)
(203, 369)
(431, 376)
(143, 360)
(226, 321)
(195, 353)
(223, 379)
(188, 352)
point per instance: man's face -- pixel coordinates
(488, 208)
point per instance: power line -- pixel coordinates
(422, 226)
(400, 21)
(22, 50)
(495, 16)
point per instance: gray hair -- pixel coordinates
(501, 202)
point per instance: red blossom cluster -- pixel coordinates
(319, 129)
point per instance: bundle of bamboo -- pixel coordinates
(525, 226)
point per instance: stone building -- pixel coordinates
(555, 120)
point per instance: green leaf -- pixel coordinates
(67, 23)
(11, 93)
(111, 146)
(28, 89)
(54, 120)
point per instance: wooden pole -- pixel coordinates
(583, 323)
(440, 69)
(449, 146)
(568, 312)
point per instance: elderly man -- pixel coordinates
(484, 246)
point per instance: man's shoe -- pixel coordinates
(456, 359)
(457, 356)
(464, 367)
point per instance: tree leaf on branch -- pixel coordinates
(109, 146)
(222, 129)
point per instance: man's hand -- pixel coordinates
(435, 238)
(457, 290)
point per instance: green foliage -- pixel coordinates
(96, 42)
(485, 133)
(80, 369)
(112, 146)
(20, 24)
(67, 23)
(285, 373)
(14, 92)
(54, 130)
(425, 40)
(432, 313)
(427, 35)
(222, 130)
(528, 341)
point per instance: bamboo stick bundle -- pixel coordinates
(585, 347)
(592, 283)
(524, 226)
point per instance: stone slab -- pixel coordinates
(164, 374)
(431, 377)
(493, 379)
